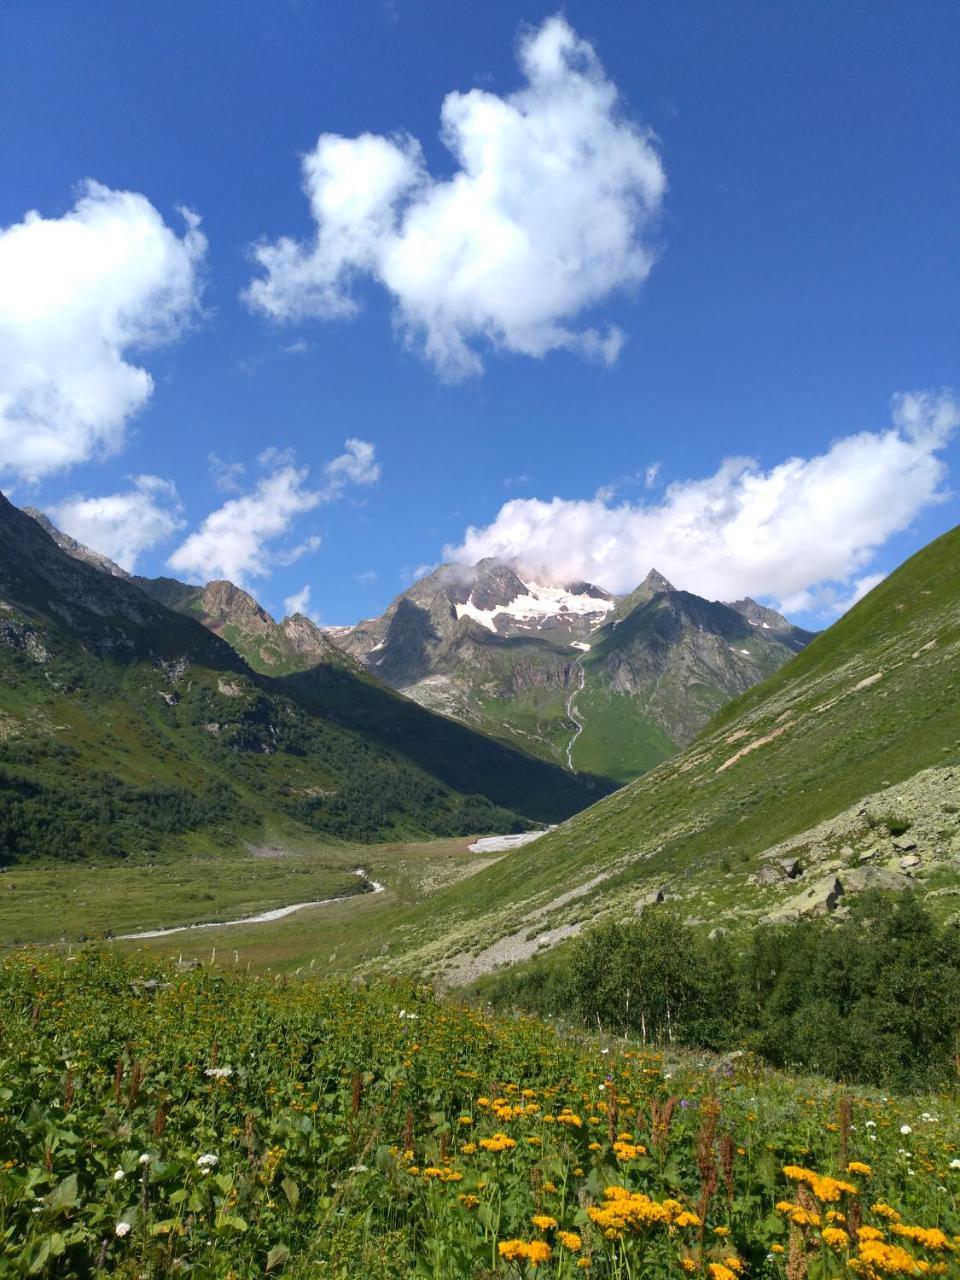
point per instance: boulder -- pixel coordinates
(651, 899)
(819, 899)
(911, 860)
(868, 854)
(791, 867)
(769, 875)
(861, 878)
(903, 844)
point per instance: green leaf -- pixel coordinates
(277, 1256)
(65, 1195)
(233, 1222)
(291, 1191)
(40, 1259)
(52, 1247)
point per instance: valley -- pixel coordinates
(276, 825)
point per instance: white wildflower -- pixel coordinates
(122, 1229)
(207, 1161)
(871, 1124)
(905, 1129)
(955, 1164)
(119, 1175)
(219, 1073)
(144, 1158)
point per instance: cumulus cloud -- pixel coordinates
(124, 525)
(78, 294)
(801, 533)
(551, 208)
(299, 602)
(241, 539)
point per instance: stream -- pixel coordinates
(262, 917)
(572, 714)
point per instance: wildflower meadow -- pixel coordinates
(159, 1123)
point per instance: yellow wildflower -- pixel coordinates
(543, 1221)
(835, 1237)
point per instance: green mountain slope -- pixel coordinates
(125, 727)
(837, 763)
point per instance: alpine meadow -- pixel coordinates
(479, 641)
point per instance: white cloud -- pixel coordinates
(787, 533)
(829, 600)
(234, 541)
(77, 295)
(299, 602)
(356, 465)
(226, 476)
(550, 209)
(123, 525)
(239, 540)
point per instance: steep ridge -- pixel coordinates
(126, 726)
(270, 647)
(513, 657)
(808, 788)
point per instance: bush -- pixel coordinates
(875, 998)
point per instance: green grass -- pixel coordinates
(618, 737)
(69, 903)
(88, 900)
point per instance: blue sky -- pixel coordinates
(765, 226)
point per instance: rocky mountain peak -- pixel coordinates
(225, 603)
(307, 639)
(495, 584)
(655, 583)
(759, 615)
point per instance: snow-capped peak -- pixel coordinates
(539, 605)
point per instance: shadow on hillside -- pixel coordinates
(461, 757)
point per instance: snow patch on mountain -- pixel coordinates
(539, 603)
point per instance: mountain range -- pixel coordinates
(127, 726)
(603, 684)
